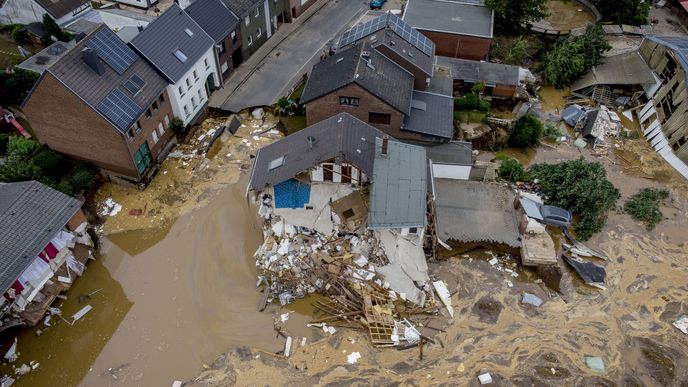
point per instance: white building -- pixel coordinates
(31, 11)
(144, 4)
(183, 53)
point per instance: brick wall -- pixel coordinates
(502, 91)
(230, 47)
(63, 122)
(296, 8)
(459, 46)
(148, 125)
(76, 220)
(328, 106)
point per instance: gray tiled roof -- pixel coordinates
(486, 72)
(382, 78)
(59, 8)
(242, 7)
(398, 196)
(92, 88)
(159, 40)
(341, 137)
(450, 16)
(455, 152)
(31, 214)
(431, 114)
(214, 17)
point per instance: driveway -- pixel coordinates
(291, 52)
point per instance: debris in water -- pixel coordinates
(11, 354)
(284, 317)
(493, 261)
(23, 370)
(445, 296)
(596, 364)
(81, 313)
(531, 299)
(682, 324)
(287, 347)
(591, 273)
(485, 378)
(353, 357)
(109, 208)
(177, 383)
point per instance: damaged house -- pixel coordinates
(381, 75)
(352, 193)
(44, 248)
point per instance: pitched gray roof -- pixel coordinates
(455, 152)
(92, 88)
(431, 114)
(30, 215)
(242, 7)
(459, 17)
(166, 34)
(341, 137)
(486, 72)
(628, 68)
(214, 17)
(398, 196)
(381, 77)
(59, 8)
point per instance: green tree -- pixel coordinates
(51, 163)
(19, 148)
(513, 16)
(526, 132)
(512, 51)
(19, 83)
(571, 58)
(83, 176)
(512, 170)
(633, 12)
(4, 141)
(19, 170)
(580, 187)
(644, 206)
(177, 125)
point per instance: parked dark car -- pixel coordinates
(555, 216)
(377, 4)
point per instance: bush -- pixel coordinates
(51, 163)
(19, 35)
(18, 84)
(82, 177)
(526, 132)
(4, 141)
(19, 148)
(633, 12)
(471, 102)
(19, 170)
(644, 206)
(512, 170)
(580, 187)
(177, 125)
(552, 132)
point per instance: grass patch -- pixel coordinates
(293, 124)
(467, 116)
(644, 206)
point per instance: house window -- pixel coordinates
(205, 62)
(259, 32)
(148, 113)
(200, 95)
(142, 157)
(223, 48)
(379, 118)
(161, 129)
(413, 230)
(155, 137)
(167, 121)
(247, 20)
(257, 12)
(188, 83)
(250, 40)
(234, 36)
(349, 101)
(138, 127)
(195, 74)
(181, 91)
(186, 110)
(130, 134)
(155, 106)
(193, 102)
(180, 55)
(80, 9)
(161, 99)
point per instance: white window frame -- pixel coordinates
(195, 74)
(257, 14)
(186, 110)
(205, 62)
(200, 95)
(161, 128)
(193, 102)
(167, 120)
(154, 134)
(250, 39)
(181, 91)
(259, 33)
(247, 20)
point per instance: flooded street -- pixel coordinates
(567, 14)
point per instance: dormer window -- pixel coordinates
(180, 55)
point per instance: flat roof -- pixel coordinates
(486, 72)
(461, 17)
(431, 114)
(47, 57)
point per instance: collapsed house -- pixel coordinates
(44, 248)
(501, 80)
(345, 211)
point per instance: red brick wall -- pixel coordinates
(501, 91)
(76, 220)
(459, 46)
(148, 125)
(230, 47)
(328, 106)
(63, 122)
(296, 9)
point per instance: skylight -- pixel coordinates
(180, 55)
(188, 32)
(276, 163)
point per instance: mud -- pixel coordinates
(567, 15)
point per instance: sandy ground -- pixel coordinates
(669, 25)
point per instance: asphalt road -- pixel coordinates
(261, 82)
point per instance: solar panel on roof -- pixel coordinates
(400, 27)
(112, 50)
(119, 108)
(134, 84)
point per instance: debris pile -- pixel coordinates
(294, 262)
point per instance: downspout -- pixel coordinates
(268, 25)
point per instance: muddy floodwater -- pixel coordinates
(566, 15)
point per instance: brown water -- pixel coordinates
(567, 15)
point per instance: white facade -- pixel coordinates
(451, 171)
(138, 3)
(189, 95)
(29, 11)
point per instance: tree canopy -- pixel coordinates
(633, 12)
(571, 58)
(526, 132)
(513, 16)
(580, 187)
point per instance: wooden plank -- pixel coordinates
(657, 55)
(662, 64)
